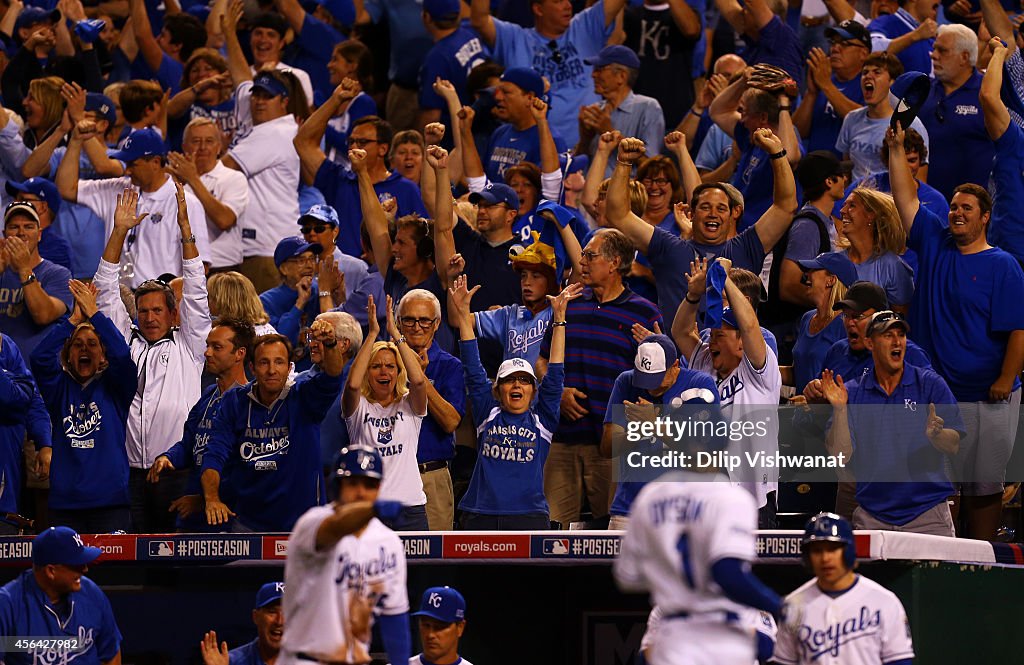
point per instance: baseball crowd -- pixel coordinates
(242, 235)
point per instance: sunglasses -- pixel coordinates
(319, 228)
(519, 379)
(556, 55)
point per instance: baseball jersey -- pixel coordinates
(395, 432)
(758, 621)
(420, 660)
(864, 625)
(322, 588)
(678, 529)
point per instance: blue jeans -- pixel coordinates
(481, 522)
(413, 518)
(93, 520)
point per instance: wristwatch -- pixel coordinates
(31, 278)
(189, 240)
(324, 294)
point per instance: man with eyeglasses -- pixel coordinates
(896, 425)
(961, 149)
(966, 312)
(55, 598)
(419, 315)
(556, 48)
(833, 85)
(33, 291)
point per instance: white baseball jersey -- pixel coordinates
(395, 432)
(757, 620)
(864, 625)
(327, 593)
(749, 395)
(678, 529)
(419, 660)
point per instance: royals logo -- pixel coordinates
(384, 435)
(818, 642)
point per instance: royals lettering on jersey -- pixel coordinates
(864, 625)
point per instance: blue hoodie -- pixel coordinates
(17, 392)
(90, 464)
(250, 445)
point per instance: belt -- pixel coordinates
(314, 659)
(814, 21)
(433, 466)
(721, 615)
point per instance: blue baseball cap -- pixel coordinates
(89, 30)
(270, 85)
(729, 318)
(271, 592)
(320, 213)
(440, 9)
(293, 246)
(141, 143)
(614, 55)
(654, 356)
(496, 192)
(33, 15)
(837, 263)
(62, 545)
(40, 187)
(525, 78)
(101, 104)
(442, 603)
(911, 90)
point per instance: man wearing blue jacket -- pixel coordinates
(266, 437)
(227, 348)
(18, 394)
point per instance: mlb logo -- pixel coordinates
(556, 546)
(384, 436)
(161, 548)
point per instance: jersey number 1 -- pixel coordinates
(683, 547)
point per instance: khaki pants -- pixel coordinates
(401, 107)
(437, 485)
(261, 271)
(936, 521)
(571, 470)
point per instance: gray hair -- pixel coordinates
(617, 245)
(200, 122)
(345, 327)
(964, 40)
(420, 294)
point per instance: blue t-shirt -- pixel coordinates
(53, 247)
(25, 609)
(917, 56)
(960, 149)
(168, 75)
(508, 478)
(15, 319)
(563, 65)
(900, 474)
(519, 330)
(777, 45)
(247, 654)
(825, 122)
(965, 307)
(690, 387)
(861, 137)
(891, 273)
(410, 40)
(715, 149)
(810, 348)
(451, 59)
(1005, 229)
(509, 146)
(444, 371)
(312, 51)
(754, 179)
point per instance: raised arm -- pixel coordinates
(480, 19)
(374, 217)
(573, 250)
(550, 171)
(617, 208)
(357, 372)
(559, 304)
(472, 167)
(444, 219)
(927, 29)
(106, 278)
(904, 189)
(67, 172)
(840, 10)
(725, 107)
(307, 139)
(732, 11)
(38, 162)
(676, 144)
(685, 18)
(754, 348)
(238, 66)
(42, 307)
(413, 368)
(148, 46)
(998, 23)
(838, 440)
(684, 325)
(997, 118)
(606, 145)
(776, 220)
(447, 92)
(293, 11)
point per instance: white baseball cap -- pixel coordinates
(653, 358)
(515, 366)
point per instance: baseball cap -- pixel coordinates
(141, 143)
(89, 30)
(270, 592)
(837, 263)
(729, 318)
(273, 21)
(20, 208)
(270, 85)
(614, 55)
(62, 545)
(911, 90)
(816, 167)
(863, 296)
(40, 187)
(653, 358)
(33, 15)
(515, 366)
(293, 246)
(442, 603)
(850, 30)
(441, 9)
(525, 78)
(884, 320)
(320, 213)
(101, 104)
(494, 193)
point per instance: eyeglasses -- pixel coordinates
(590, 255)
(556, 55)
(303, 260)
(422, 322)
(361, 143)
(319, 228)
(855, 317)
(660, 182)
(519, 379)
(850, 43)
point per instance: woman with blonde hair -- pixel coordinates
(232, 296)
(874, 239)
(384, 403)
(44, 109)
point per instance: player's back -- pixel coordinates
(680, 526)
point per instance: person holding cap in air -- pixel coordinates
(442, 619)
(55, 598)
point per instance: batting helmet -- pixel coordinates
(356, 461)
(830, 528)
